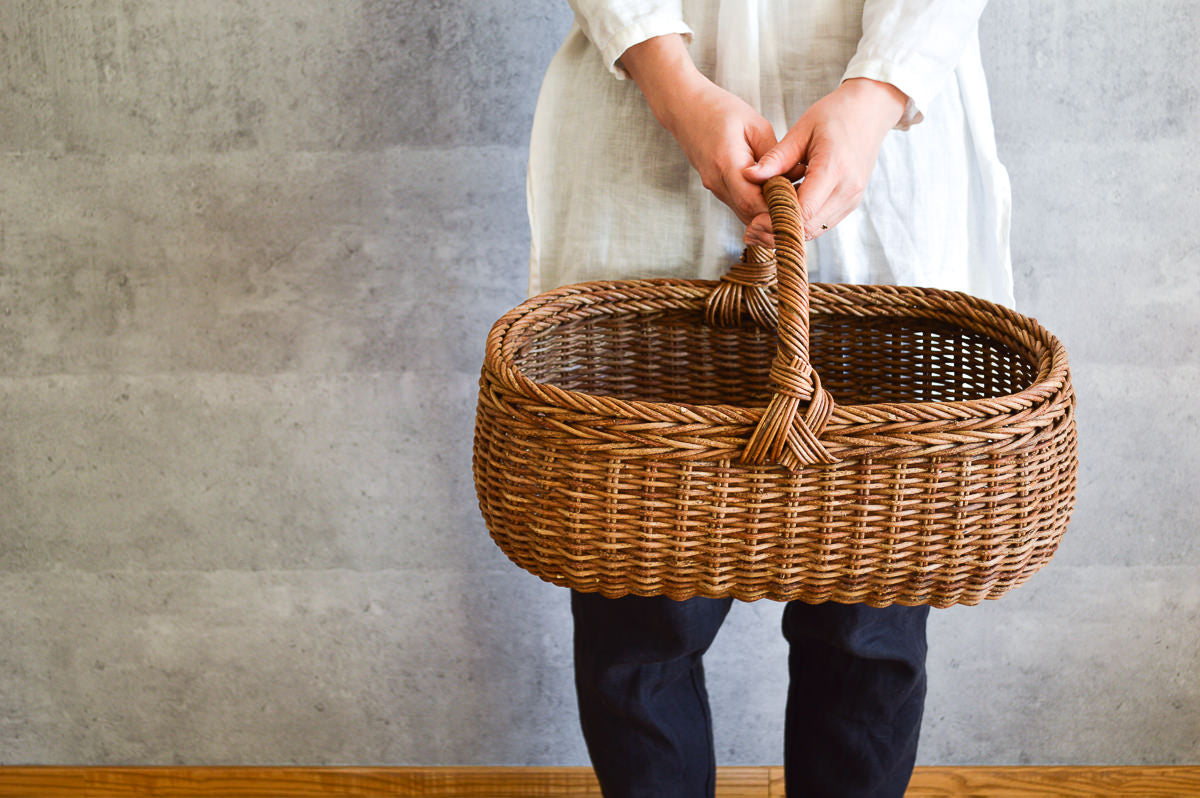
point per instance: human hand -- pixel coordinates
(833, 146)
(719, 133)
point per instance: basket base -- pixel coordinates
(938, 590)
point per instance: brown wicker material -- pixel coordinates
(645, 437)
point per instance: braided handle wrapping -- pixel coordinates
(789, 434)
(747, 286)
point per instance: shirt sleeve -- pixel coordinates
(614, 26)
(914, 45)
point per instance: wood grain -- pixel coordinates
(547, 782)
(1085, 782)
(446, 782)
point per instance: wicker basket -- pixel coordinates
(670, 437)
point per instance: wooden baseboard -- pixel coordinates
(542, 782)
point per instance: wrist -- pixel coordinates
(663, 69)
(885, 102)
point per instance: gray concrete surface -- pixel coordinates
(248, 256)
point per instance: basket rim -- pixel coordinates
(586, 300)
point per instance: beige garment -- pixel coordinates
(611, 195)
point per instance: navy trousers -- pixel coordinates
(855, 699)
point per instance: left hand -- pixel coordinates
(833, 146)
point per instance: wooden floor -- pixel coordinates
(469, 782)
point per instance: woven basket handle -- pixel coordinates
(790, 429)
(745, 287)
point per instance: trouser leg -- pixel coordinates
(642, 701)
(855, 699)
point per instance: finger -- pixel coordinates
(745, 198)
(761, 138)
(759, 232)
(840, 204)
(783, 159)
(813, 197)
(747, 202)
(813, 233)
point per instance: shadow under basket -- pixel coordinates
(907, 445)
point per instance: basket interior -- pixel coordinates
(673, 356)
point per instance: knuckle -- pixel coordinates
(745, 207)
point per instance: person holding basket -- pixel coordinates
(655, 129)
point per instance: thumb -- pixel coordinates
(782, 159)
(760, 137)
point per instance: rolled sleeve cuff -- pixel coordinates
(918, 87)
(636, 32)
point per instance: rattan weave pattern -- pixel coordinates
(614, 420)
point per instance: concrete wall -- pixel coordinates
(248, 256)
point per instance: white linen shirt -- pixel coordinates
(611, 195)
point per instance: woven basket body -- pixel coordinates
(627, 443)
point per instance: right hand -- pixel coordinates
(719, 133)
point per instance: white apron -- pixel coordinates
(611, 195)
